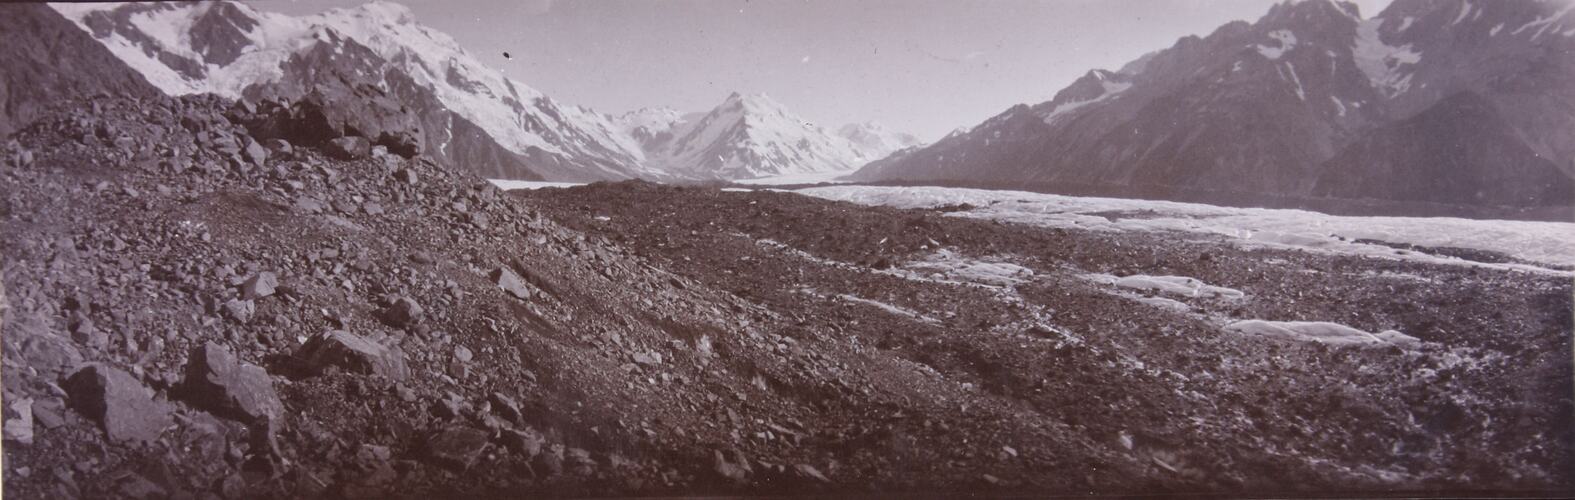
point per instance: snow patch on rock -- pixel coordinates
(1386, 67)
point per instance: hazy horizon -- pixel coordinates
(925, 67)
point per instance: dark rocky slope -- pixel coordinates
(193, 315)
(46, 58)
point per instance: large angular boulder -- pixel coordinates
(348, 147)
(510, 283)
(456, 447)
(30, 341)
(218, 382)
(403, 312)
(353, 353)
(120, 404)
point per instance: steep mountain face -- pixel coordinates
(1261, 108)
(1459, 149)
(745, 137)
(234, 51)
(46, 59)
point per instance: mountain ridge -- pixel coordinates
(1261, 107)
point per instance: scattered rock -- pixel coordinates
(647, 358)
(736, 469)
(30, 343)
(19, 420)
(355, 354)
(240, 310)
(507, 408)
(810, 472)
(404, 312)
(123, 406)
(348, 148)
(550, 460)
(218, 382)
(578, 462)
(526, 442)
(280, 146)
(511, 283)
(259, 286)
(456, 447)
(255, 152)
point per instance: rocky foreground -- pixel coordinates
(198, 308)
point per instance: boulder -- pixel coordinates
(456, 447)
(259, 286)
(123, 406)
(526, 442)
(735, 469)
(511, 283)
(353, 353)
(19, 420)
(280, 146)
(218, 382)
(255, 152)
(403, 312)
(348, 147)
(507, 408)
(30, 342)
(240, 310)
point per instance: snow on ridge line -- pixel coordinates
(499, 105)
(1546, 243)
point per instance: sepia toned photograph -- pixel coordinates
(441, 249)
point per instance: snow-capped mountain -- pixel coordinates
(746, 137)
(233, 50)
(1470, 97)
(873, 140)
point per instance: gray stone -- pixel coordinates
(354, 353)
(526, 442)
(404, 311)
(280, 146)
(117, 401)
(735, 469)
(507, 408)
(511, 283)
(19, 420)
(218, 382)
(348, 148)
(240, 310)
(30, 343)
(456, 447)
(255, 152)
(259, 286)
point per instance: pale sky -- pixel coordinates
(922, 66)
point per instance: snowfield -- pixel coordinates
(1549, 244)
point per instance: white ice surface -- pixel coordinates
(506, 184)
(1173, 285)
(1547, 243)
(1322, 332)
(799, 178)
